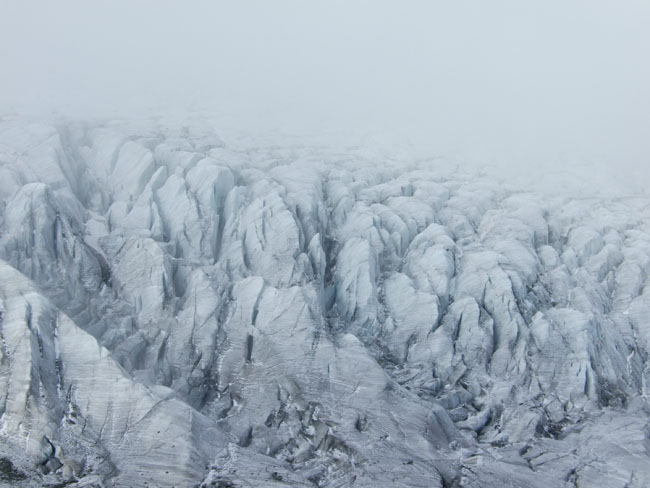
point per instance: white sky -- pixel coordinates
(501, 80)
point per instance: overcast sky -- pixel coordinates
(551, 80)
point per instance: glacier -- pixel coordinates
(181, 310)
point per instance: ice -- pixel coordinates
(179, 311)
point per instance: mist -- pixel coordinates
(325, 243)
(516, 84)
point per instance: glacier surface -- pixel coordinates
(178, 310)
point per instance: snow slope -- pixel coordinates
(179, 311)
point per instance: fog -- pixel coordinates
(525, 84)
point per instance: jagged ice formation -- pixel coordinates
(177, 311)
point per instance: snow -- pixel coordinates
(180, 311)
